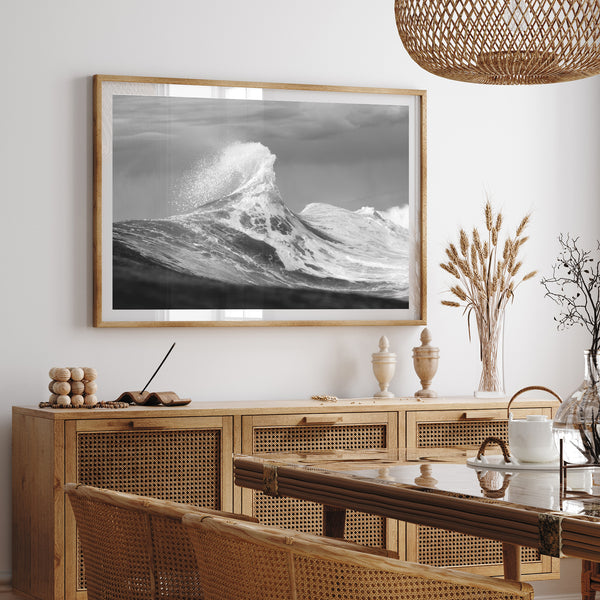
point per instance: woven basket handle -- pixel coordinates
(490, 493)
(494, 440)
(528, 389)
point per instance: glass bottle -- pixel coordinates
(576, 420)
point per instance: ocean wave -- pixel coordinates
(248, 236)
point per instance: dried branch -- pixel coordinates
(575, 286)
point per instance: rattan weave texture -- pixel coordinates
(253, 562)
(447, 434)
(115, 549)
(179, 465)
(502, 41)
(135, 548)
(305, 516)
(242, 570)
(290, 513)
(323, 580)
(300, 439)
(444, 548)
(175, 570)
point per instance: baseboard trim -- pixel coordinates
(5, 581)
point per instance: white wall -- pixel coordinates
(534, 148)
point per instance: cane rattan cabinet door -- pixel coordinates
(444, 548)
(181, 459)
(351, 435)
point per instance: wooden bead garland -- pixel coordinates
(72, 387)
(99, 404)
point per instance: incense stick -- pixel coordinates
(158, 369)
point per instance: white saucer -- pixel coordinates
(497, 463)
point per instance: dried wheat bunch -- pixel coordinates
(486, 272)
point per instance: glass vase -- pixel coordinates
(491, 352)
(577, 418)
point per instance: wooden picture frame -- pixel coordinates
(225, 203)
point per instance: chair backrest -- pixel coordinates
(245, 561)
(135, 548)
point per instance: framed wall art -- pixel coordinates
(220, 203)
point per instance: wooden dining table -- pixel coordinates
(438, 488)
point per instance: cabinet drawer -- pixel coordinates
(461, 428)
(179, 459)
(320, 433)
(351, 435)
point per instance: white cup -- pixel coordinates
(531, 440)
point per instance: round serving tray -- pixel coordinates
(498, 463)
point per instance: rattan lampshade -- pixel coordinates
(502, 41)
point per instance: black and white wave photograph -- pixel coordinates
(259, 204)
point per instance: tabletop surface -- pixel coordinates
(446, 471)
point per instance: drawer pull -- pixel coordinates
(477, 416)
(319, 420)
(145, 427)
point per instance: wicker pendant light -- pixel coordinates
(502, 41)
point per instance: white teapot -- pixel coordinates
(531, 439)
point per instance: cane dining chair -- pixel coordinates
(134, 547)
(247, 561)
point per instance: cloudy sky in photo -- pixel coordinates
(349, 155)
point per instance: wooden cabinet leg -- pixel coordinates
(334, 521)
(511, 557)
(587, 569)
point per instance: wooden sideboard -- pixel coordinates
(185, 454)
